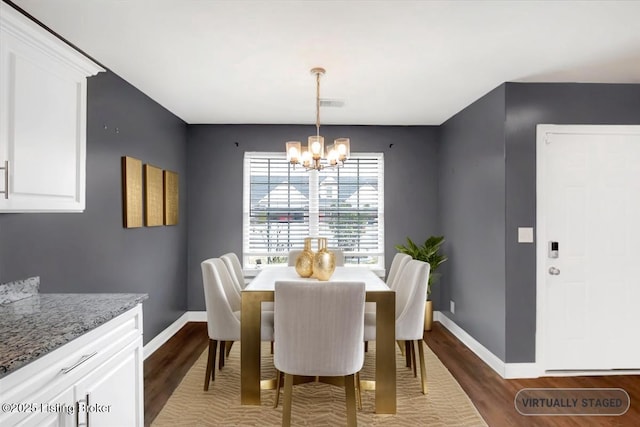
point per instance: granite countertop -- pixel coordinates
(35, 326)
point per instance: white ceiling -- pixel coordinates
(391, 62)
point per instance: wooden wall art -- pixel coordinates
(170, 198)
(131, 192)
(153, 196)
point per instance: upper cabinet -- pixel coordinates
(43, 108)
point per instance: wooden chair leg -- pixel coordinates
(229, 345)
(288, 390)
(221, 357)
(358, 392)
(211, 361)
(271, 347)
(413, 359)
(276, 401)
(349, 386)
(423, 372)
(407, 353)
(366, 346)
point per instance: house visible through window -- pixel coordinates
(283, 205)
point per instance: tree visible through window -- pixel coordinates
(283, 205)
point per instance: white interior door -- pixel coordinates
(589, 206)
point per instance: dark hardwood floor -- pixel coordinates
(492, 395)
(166, 367)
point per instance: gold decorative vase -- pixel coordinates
(324, 261)
(304, 262)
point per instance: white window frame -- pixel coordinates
(314, 193)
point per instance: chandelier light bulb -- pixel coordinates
(306, 159)
(343, 147)
(332, 157)
(293, 151)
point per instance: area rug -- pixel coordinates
(316, 404)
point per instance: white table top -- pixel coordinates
(266, 279)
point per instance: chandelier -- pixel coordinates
(315, 157)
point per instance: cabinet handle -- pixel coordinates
(79, 362)
(86, 406)
(6, 179)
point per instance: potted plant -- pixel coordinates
(429, 252)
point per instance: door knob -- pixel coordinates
(554, 271)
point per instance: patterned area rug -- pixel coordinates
(316, 404)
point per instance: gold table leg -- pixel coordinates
(385, 350)
(250, 345)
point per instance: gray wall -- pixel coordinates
(215, 183)
(472, 217)
(91, 251)
(487, 189)
(529, 104)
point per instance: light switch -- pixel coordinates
(525, 234)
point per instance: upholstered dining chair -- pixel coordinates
(293, 256)
(223, 314)
(411, 294)
(318, 331)
(339, 257)
(232, 262)
(400, 260)
(234, 266)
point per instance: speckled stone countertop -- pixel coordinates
(35, 326)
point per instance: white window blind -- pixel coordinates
(283, 205)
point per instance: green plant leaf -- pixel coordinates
(427, 252)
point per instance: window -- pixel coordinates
(283, 205)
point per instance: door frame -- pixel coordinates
(542, 130)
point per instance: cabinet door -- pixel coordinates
(42, 118)
(57, 412)
(43, 142)
(111, 395)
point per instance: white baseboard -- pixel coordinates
(505, 370)
(163, 337)
(481, 351)
(590, 373)
(197, 316)
(521, 370)
(514, 370)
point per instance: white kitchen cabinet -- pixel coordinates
(98, 375)
(43, 107)
(110, 393)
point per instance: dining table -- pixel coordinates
(261, 289)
